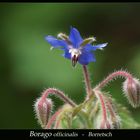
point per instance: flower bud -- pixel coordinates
(43, 109)
(131, 89)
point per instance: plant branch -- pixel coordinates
(87, 80)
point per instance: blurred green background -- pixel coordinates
(27, 66)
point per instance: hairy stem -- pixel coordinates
(113, 76)
(57, 123)
(59, 94)
(112, 110)
(104, 122)
(52, 119)
(87, 81)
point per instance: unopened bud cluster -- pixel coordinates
(98, 111)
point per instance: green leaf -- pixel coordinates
(127, 121)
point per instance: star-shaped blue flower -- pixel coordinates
(74, 47)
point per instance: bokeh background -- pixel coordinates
(27, 66)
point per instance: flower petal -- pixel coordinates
(86, 57)
(55, 42)
(67, 54)
(90, 47)
(100, 46)
(75, 37)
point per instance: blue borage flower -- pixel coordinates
(74, 47)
